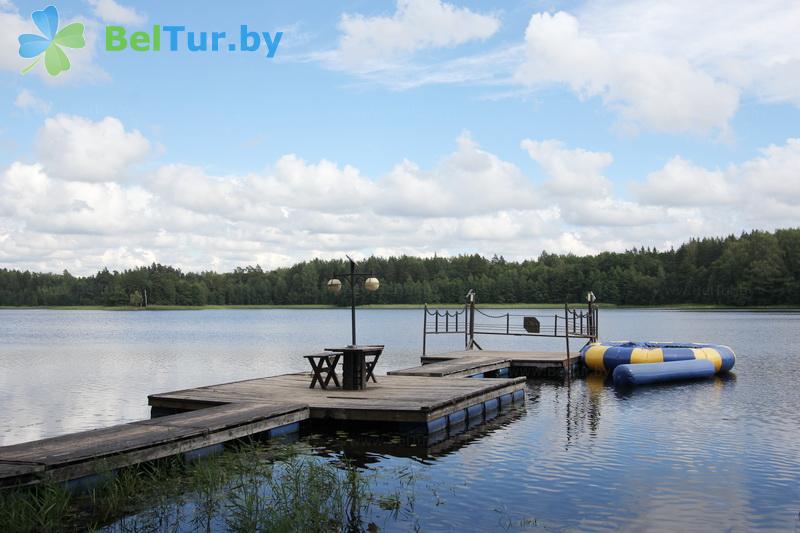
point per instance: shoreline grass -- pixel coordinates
(253, 486)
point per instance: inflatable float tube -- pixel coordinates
(647, 373)
(606, 356)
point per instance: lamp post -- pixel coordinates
(592, 316)
(371, 284)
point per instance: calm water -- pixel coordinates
(715, 455)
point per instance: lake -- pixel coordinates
(722, 454)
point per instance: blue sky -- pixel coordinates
(646, 125)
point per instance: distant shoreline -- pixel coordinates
(677, 307)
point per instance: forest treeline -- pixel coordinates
(756, 268)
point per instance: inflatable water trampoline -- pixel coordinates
(650, 362)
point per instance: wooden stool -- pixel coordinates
(324, 367)
(372, 363)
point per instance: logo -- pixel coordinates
(177, 38)
(50, 42)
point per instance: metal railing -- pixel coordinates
(470, 321)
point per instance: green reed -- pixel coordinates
(262, 487)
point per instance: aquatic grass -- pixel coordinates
(252, 486)
(207, 481)
(300, 493)
(39, 509)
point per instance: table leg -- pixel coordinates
(317, 377)
(332, 370)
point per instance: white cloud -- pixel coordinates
(190, 188)
(570, 172)
(776, 174)
(677, 67)
(470, 201)
(55, 206)
(765, 188)
(13, 25)
(371, 43)
(296, 184)
(648, 89)
(114, 13)
(27, 100)
(575, 182)
(468, 180)
(682, 183)
(500, 226)
(75, 148)
(754, 46)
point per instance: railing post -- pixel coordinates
(424, 329)
(566, 336)
(508, 323)
(471, 301)
(592, 317)
(596, 322)
(466, 328)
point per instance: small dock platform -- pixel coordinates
(465, 366)
(192, 421)
(88, 453)
(475, 362)
(412, 399)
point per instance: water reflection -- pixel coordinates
(720, 454)
(367, 446)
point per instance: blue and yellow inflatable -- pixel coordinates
(606, 356)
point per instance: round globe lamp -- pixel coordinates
(334, 286)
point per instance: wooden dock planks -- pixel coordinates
(416, 399)
(90, 452)
(464, 366)
(15, 470)
(518, 359)
(228, 411)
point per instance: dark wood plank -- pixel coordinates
(236, 409)
(393, 398)
(123, 438)
(19, 469)
(87, 444)
(459, 367)
(226, 416)
(521, 356)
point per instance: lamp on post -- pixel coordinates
(335, 286)
(592, 316)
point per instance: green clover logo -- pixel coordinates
(50, 42)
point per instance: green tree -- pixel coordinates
(136, 299)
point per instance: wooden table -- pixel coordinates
(354, 365)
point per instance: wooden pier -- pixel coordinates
(478, 362)
(438, 397)
(464, 366)
(199, 418)
(416, 400)
(88, 453)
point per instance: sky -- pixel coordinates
(397, 127)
